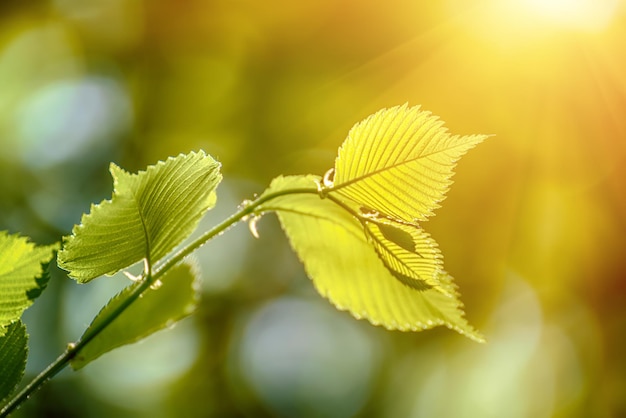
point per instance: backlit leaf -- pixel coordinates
(156, 309)
(398, 162)
(22, 275)
(345, 267)
(149, 214)
(13, 353)
(407, 251)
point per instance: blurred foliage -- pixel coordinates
(533, 230)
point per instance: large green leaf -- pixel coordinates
(13, 353)
(149, 214)
(22, 275)
(346, 268)
(156, 309)
(398, 162)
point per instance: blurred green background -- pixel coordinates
(533, 228)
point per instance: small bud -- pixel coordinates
(252, 226)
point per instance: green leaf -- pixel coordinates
(149, 214)
(22, 275)
(13, 353)
(346, 268)
(156, 309)
(407, 251)
(399, 163)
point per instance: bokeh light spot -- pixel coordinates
(304, 360)
(61, 119)
(138, 376)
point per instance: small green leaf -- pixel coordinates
(156, 309)
(399, 163)
(398, 236)
(407, 251)
(13, 353)
(149, 214)
(22, 275)
(346, 268)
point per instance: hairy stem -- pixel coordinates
(147, 278)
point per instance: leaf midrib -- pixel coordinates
(391, 167)
(143, 226)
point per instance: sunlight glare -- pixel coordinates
(576, 14)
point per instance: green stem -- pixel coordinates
(147, 279)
